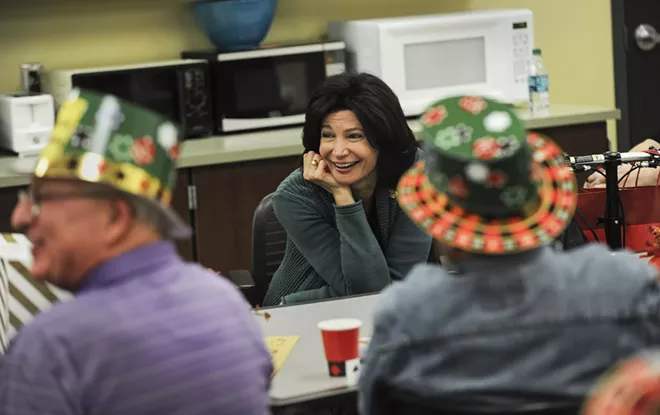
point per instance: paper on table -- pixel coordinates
(280, 347)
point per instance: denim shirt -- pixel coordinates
(545, 322)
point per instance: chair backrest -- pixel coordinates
(398, 402)
(268, 245)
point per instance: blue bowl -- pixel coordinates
(233, 25)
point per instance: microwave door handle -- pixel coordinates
(182, 95)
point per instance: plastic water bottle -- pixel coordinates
(539, 95)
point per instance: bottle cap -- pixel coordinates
(536, 52)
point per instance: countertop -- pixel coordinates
(287, 142)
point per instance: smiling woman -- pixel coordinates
(350, 157)
(346, 232)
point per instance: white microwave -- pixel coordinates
(429, 57)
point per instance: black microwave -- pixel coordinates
(179, 90)
(268, 86)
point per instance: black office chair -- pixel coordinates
(399, 402)
(268, 245)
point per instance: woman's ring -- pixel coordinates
(315, 162)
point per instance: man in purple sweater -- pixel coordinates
(146, 333)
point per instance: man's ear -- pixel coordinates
(120, 219)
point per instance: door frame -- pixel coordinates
(620, 48)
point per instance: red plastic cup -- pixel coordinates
(341, 345)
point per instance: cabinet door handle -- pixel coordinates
(192, 197)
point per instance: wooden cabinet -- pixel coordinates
(579, 139)
(227, 195)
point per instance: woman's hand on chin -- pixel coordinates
(317, 171)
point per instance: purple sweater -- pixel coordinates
(146, 334)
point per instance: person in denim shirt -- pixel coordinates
(506, 313)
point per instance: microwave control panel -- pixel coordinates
(194, 83)
(196, 115)
(522, 51)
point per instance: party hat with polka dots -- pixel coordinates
(104, 139)
(485, 184)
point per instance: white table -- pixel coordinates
(304, 376)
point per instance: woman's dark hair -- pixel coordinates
(377, 108)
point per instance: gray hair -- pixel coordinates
(145, 211)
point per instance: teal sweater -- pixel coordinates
(331, 250)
